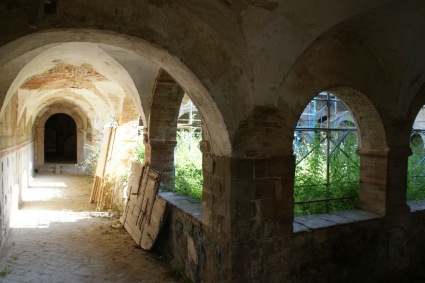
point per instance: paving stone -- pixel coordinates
(73, 246)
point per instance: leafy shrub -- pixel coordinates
(89, 164)
(320, 188)
(139, 153)
(188, 160)
(415, 175)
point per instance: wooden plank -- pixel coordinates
(139, 221)
(143, 182)
(103, 154)
(94, 197)
(151, 191)
(135, 178)
(151, 231)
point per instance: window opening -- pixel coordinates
(187, 154)
(416, 162)
(327, 166)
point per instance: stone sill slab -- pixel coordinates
(304, 223)
(187, 204)
(416, 205)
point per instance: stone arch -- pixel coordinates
(81, 128)
(369, 123)
(346, 80)
(415, 106)
(31, 45)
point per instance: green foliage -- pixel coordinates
(139, 153)
(415, 173)
(89, 164)
(315, 181)
(4, 271)
(188, 174)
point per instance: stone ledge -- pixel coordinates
(307, 223)
(186, 203)
(416, 205)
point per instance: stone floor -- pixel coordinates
(57, 237)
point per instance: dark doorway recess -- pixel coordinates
(60, 139)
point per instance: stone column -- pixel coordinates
(39, 147)
(383, 180)
(81, 134)
(159, 155)
(247, 210)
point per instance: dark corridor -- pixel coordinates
(60, 139)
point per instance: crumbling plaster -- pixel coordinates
(251, 67)
(190, 83)
(81, 66)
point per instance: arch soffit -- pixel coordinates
(416, 104)
(85, 103)
(343, 74)
(68, 53)
(413, 85)
(220, 142)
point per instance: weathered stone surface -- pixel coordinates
(251, 67)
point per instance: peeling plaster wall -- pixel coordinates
(16, 171)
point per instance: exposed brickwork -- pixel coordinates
(129, 112)
(64, 75)
(382, 183)
(162, 128)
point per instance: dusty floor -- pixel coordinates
(57, 237)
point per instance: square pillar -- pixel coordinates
(247, 207)
(159, 154)
(383, 180)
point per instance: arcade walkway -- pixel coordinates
(57, 237)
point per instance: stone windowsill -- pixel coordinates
(416, 205)
(307, 223)
(187, 204)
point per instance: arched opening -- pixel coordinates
(327, 166)
(188, 156)
(60, 139)
(416, 162)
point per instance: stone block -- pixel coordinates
(244, 211)
(242, 169)
(282, 166)
(268, 208)
(261, 168)
(221, 167)
(218, 187)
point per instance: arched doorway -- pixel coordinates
(60, 139)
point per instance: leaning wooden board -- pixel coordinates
(145, 212)
(151, 231)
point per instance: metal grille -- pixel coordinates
(327, 166)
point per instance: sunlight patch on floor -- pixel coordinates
(53, 199)
(44, 218)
